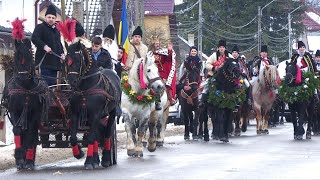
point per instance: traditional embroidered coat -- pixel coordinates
(305, 62)
(211, 60)
(166, 63)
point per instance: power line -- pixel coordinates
(235, 27)
(187, 9)
(231, 33)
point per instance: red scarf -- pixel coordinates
(265, 61)
(220, 61)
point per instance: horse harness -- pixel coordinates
(150, 81)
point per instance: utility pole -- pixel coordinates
(289, 29)
(259, 29)
(63, 10)
(200, 30)
(200, 37)
(87, 19)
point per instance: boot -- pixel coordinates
(158, 105)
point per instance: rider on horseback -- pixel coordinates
(304, 58)
(166, 63)
(214, 63)
(263, 60)
(137, 49)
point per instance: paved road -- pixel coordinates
(250, 156)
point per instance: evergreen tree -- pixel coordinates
(237, 22)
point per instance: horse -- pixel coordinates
(305, 114)
(264, 95)
(188, 99)
(224, 80)
(26, 100)
(96, 94)
(142, 87)
(203, 130)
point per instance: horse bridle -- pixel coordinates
(150, 81)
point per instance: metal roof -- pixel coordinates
(156, 7)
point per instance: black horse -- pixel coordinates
(224, 80)
(188, 99)
(26, 100)
(96, 95)
(300, 109)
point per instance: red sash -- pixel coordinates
(220, 61)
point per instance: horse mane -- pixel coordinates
(271, 73)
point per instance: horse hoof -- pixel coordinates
(200, 136)
(88, 166)
(299, 137)
(95, 165)
(266, 131)
(144, 144)
(186, 137)
(224, 139)
(29, 166)
(20, 166)
(215, 137)
(159, 143)
(259, 132)
(152, 149)
(131, 152)
(105, 164)
(195, 138)
(295, 137)
(139, 154)
(206, 138)
(308, 135)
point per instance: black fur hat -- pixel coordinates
(109, 32)
(79, 29)
(222, 43)
(137, 31)
(317, 53)
(264, 48)
(235, 48)
(51, 10)
(300, 44)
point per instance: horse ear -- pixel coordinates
(267, 67)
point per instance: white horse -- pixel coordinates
(138, 116)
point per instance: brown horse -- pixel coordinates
(264, 95)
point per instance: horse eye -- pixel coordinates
(149, 70)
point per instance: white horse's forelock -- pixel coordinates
(273, 78)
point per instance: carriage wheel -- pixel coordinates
(114, 145)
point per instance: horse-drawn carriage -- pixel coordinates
(79, 113)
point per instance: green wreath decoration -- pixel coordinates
(299, 93)
(222, 99)
(136, 97)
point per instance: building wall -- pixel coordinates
(158, 22)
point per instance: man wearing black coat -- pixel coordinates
(100, 55)
(47, 40)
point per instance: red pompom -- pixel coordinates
(18, 29)
(67, 29)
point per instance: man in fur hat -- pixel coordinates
(317, 60)
(242, 64)
(217, 59)
(110, 44)
(165, 58)
(136, 50)
(258, 61)
(47, 40)
(304, 59)
(213, 65)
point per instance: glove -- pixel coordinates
(47, 48)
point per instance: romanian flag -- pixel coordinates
(123, 38)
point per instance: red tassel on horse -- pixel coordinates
(75, 150)
(95, 146)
